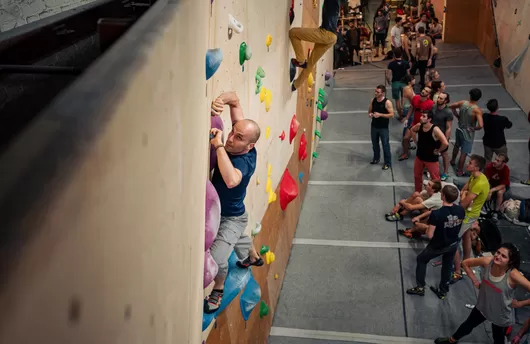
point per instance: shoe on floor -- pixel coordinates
(374, 162)
(455, 278)
(416, 291)
(403, 157)
(245, 263)
(441, 294)
(393, 217)
(525, 182)
(213, 301)
(443, 341)
(386, 167)
(444, 177)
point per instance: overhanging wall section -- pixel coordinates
(102, 197)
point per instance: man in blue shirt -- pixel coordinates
(324, 38)
(444, 226)
(236, 162)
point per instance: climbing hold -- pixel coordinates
(270, 256)
(268, 100)
(233, 26)
(260, 72)
(264, 249)
(310, 80)
(302, 150)
(282, 135)
(292, 71)
(317, 133)
(210, 269)
(269, 170)
(315, 155)
(319, 120)
(262, 94)
(301, 177)
(257, 181)
(327, 76)
(245, 53)
(288, 189)
(267, 132)
(324, 115)
(519, 23)
(257, 229)
(276, 276)
(214, 57)
(516, 64)
(258, 84)
(322, 99)
(315, 3)
(263, 309)
(272, 197)
(215, 122)
(212, 216)
(268, 186)
(293, 130)
(291, 13)
(268, 41)
(250, 298)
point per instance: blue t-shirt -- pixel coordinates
(232, 199)
(447, 221)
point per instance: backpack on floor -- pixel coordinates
(517, 211)
(489, 235)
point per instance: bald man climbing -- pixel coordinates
(324, 38)
(236, 162)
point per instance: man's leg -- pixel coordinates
(488, 153)
(385, 141)
(396, 95)
(500, 199)
(422, 65)
(465, 149)
(323, 41)
(445, 161)
(421, 268)
(447, 265)
(418, 174)
(406, 143)
(434, 169)
(498, 334)
(299, 34)
(375, 144)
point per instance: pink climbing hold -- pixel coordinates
(213, 215)
(210, 269)
(323, 115)
(216, 122)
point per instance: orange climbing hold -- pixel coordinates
(288, 189)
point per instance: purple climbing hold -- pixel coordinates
(327, 76)
(212, 216)
(215, 122)
(324, 115)
(210, 269)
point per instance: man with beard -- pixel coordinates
(443, 119)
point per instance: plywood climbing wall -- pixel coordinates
(278, 227)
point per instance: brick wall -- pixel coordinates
(16, 13)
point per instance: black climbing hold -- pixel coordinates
(292, 72)
(497, 62)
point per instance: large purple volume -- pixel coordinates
(213, 215)
(216, 122)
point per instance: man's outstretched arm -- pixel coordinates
(232, 100)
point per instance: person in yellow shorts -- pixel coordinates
(473, 196)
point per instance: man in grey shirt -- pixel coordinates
(443, 119)
(380, 31)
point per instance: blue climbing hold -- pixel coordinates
(250, 298)
(301, 177)
(214, 57)
(236, 280)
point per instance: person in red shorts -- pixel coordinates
(421, 103)
(498, 174)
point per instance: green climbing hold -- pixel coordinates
(260, 72)
(319, 120)
(242, 53)
(259, 83)
(264, 249)
(315, 155)
(317, 133)
(319, 105)
(263, 309)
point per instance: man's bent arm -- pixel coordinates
(231, 175)
(441, 137)
(232, 100)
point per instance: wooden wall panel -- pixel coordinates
(485, 38)
(460, 24)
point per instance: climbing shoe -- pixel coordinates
(456, 277)
(441, 294)
(374, 162)
(213, 302)
(245, 263)
(386, 167)
(393, 217)
(293, 88)
(298, 64)
(416, 291)
(444, 341)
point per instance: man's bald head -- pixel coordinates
(244, 135)
(254, 130)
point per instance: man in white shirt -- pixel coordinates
(395, 34)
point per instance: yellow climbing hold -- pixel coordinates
(272, 198)
(268, 187)
(268, 41)
(269, 170)
(257, 181)
(262, 94)
(276, 276)
(268, 100)
(269, 257)
(267, 132)
(310, 80)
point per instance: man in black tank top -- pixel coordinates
(380, 111)
(431, 141)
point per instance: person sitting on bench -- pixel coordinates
(423, 201)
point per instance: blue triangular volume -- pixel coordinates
(214, 57)
(250, 297)
(236, 281)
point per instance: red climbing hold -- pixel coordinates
(282, 136)
(302, 150)
(294, 128)
(288, 189)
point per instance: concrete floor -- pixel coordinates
(348, 271)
